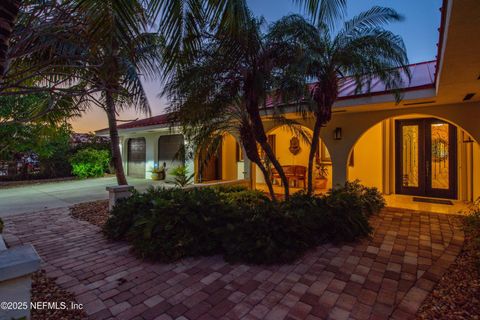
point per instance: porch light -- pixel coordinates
(337, 134)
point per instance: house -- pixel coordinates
(427, 145)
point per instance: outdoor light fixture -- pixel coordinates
(337, 134)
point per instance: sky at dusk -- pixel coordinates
(419, 31)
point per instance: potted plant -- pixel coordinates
(155, 173)
(158, 173)
(181, 176)
(322, 176)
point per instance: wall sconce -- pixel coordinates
(337, 134)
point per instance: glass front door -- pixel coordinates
(426, 159)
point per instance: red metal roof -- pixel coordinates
(423, 76)
(152, 121)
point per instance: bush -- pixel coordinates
(127, 211)
(243, 225)
(90, 162)
(179, 224)
(181, 177)
(371, 199)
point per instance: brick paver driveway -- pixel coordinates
(386, 276)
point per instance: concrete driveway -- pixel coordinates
(31, 198)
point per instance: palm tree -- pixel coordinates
(240, 67)
(94, 52)
(362, 50)
(120, 51)
(205, 124)
(8, 14)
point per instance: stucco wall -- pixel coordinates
(229, 158)
(283, 135)
(151, 140)
(368, 157)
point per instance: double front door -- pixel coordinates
(426, 158)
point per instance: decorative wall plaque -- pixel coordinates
(295, 146)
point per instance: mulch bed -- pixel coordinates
(457, 295)
(95, 212)
(45, 290)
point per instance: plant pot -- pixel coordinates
(321, 183)
(155, 176)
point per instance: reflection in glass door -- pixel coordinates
(410, 156)
(441, 153)
(426, 158)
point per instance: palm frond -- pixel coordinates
(324, 12)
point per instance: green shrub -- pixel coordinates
(370, 198)
(181, 177)
(346, 216)
(127, 211)
(90, 162)
(243, 225)
(180, 223)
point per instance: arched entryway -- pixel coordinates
(417, 155)
(291, 146)
(136, 158)
(223, 162)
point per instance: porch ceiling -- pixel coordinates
(459, 73)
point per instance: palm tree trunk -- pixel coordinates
(311, 155)
(268, 180)
(251, 151)
(271, 156)
(114, 139)
(8, 14)
(261, 137)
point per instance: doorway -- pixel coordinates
(426, 158)
(136, 157)
(210, 165)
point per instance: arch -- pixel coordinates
(380, 161)
(296, 159)
(354, 124)
(223, 165)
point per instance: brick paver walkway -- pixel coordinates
(387, 276)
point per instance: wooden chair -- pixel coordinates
(301, 175)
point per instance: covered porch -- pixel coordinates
(423, 158)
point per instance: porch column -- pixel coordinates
(339, 152)
(151, 143)
(339, 173)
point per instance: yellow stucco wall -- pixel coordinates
(229, 158)
(284, 156)
(367, 158)
(283, 135)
